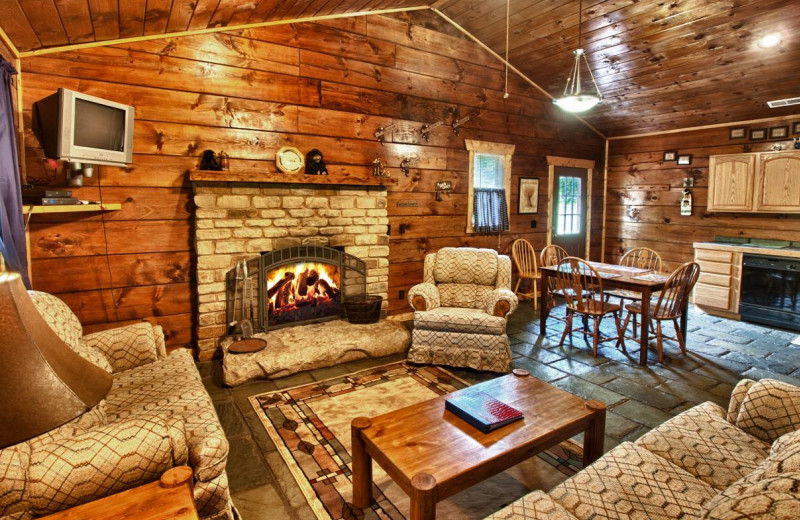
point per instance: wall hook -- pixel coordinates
(405, 165)
(380, 133)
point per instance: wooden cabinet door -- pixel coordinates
(778, 182)
(730, 182)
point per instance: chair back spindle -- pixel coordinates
(643, 258)
(677, 289)
(524, 257)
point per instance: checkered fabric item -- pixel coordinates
(536, 505)
(461, 287)
(770, 409)
(157, 415)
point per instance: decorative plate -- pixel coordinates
(289, 159)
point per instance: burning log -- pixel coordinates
(302, 283)
(330, 291)
(287, 277)
(282, 299)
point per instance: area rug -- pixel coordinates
(310, 426)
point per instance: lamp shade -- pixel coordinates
(43, 382)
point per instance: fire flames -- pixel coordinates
(304, 290)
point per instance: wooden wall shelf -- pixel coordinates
(285, 178)
(70, 208)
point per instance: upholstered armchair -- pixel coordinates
(460, 310)
(156, 415)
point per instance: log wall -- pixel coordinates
(326, 85)
(639, 216)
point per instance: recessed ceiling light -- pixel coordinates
(770, 40)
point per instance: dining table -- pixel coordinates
(612, 276)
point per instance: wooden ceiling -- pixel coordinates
(661, 65)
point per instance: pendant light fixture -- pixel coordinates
(574, 99)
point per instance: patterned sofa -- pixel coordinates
(461, 310)
(157, 415)
(705, 463)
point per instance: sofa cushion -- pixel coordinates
(454, 319)
(629, 482)
(702, 442)
(467, 295)
(59, 316)
(533, 506)
(466, 265)
(770, 409)
(737, 396)
(773, 498)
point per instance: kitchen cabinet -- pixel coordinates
(720, 280)
(765, 182)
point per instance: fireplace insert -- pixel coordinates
(770, 288)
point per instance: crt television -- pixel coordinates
(80, 128)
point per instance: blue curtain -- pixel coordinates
(12, 225)
(489, 211)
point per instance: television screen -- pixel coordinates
(99, 126)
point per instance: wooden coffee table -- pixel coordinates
(432, 454)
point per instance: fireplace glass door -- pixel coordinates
(303, 291)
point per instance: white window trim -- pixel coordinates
(506, 150)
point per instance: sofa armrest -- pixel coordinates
(103, 461)
(737, 396)
(501, 303)
(129, 346)
(536, 505)
(424, 297)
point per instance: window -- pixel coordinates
(569, 217)
(489, 186)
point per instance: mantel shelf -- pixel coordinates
(285, 178)
(70, 208)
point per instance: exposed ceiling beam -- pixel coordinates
(511, 67)
(703, 127)
(8, 43)
(210, 30)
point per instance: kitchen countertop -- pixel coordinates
(745, 248)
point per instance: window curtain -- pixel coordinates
(489, 211)
(12, 225)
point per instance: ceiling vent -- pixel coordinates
(784, 102)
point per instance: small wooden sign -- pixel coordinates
(444, 185)
(407, 204)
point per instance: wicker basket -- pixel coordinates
(363, 308)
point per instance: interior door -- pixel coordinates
(569, 210)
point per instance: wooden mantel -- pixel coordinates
(283, 178)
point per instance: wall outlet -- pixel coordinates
(533, 223)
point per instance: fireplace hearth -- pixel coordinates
(294, 286)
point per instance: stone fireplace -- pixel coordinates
(251, 221)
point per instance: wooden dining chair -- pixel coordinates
(582, 287)
(668, 306)
(527, 269)
(643, 258)
(549, 256)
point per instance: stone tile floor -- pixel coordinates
(720, 353)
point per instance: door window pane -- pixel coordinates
(569, 206)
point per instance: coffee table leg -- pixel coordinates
(423, 497)
(362, 464)
(594, 435)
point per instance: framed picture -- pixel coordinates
(796, 128)
(528, 196)
(739, 132)
(670, 155)
(758, 134)
(685, 159)
(779, 132)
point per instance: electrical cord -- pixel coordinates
(105, 240)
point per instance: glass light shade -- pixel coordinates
(580, 103)
(573, 99)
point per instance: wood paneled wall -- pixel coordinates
(326, 85)
(639, 216)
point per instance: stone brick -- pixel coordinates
(342, 240)
(302, 231)
(316, 202)
(383, 240)
(210, 213)
(211, 288)
(211, 307)
(286, 222)
(211, 318)
(340, 202)
(204, 224)
(206, 345)
(212, 234)
(381, 202)
(258, 245)
(216, 190)
(379, 272)
(315, 241)
(340, 221)
(287, 242)
(233, 201)
(227, 223)
(214, 262)
(205, 247)
(359, 251)
(373, 288)
(273, 213)
(245, 190)
(301, 213)
(205, 201)
(266, 202)
(211, 332)
(364, 221)
(305, 192)
(292, 202)
(383, 262)
(378, 229)
(206, 276)
(335, 230)
(272, 232)
(329, 213)
(378, 251)
(230, 246)
(362, 240)
(242, 213)
(354, 213)
(247, 233)
(365, 202)
(355, 230)
(377, 213)
(315, 222)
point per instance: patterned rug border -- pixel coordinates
(300, 478)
